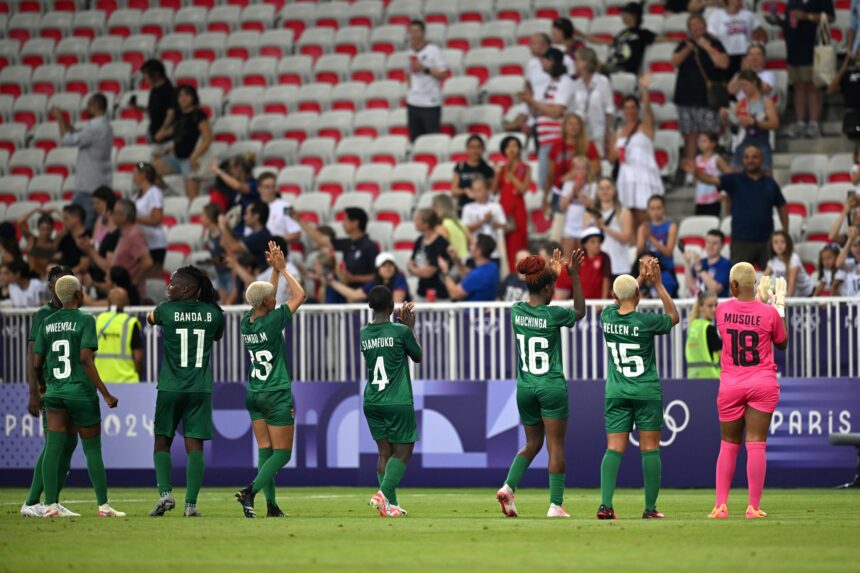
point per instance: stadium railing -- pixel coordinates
(473, 341)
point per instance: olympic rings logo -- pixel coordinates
(671, 424)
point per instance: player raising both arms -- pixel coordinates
(32, 507)
(541, 387)
(270, 398)
(190, 321)
(749, 391)
(388, 405)
(633, 392)
(63, 363)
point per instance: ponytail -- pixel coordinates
(205, 289)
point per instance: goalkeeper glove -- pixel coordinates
(779, 296)
(764, 293)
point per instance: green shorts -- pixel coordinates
(621, 413)
(275, 407)
(193, 409)
(84, 413)
(538, 402)
(392, 422)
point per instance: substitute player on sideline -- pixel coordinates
(542, 398)
(191, 321)
(32, 507)
(388, 404)
(270, 397)
(63, 363)
(749, 391)
(633, 392)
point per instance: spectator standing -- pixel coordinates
(466, 171)
(595, 272)
(235, 185)
(755, 60)
(515, 288)
(41, 247)
(149, 203)
(427, 69)
(735, 27)
(161, 104)
(658, 237)
(852, 36)
(750, 198)
(576, 194)
(549, 107)
(638, 172)
(94, 142)
(104, 200)
(536, 76)
(700, 60)
(514, 179)
(131, 252)
(616, 224)
(850, 215)
(387, 274)
(450, 227)
(800, 28)
(192, 137)
(69, 251)
(848, 262)
(429, 248)
(25, 290)
(709, 161)
(592, 99)
(480, 283)
(212, 240)
(120, 353)
(281, 222)
(574, 141)
(785, 263)
(711, 272)
(483, 217)
(256, 242)
(10, 250)
(359, 252)
(756, 115)
(564, 38)
(628, 46)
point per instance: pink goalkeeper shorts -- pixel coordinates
(732, 402)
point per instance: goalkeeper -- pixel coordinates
(750, 325)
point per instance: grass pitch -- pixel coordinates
(333, 529)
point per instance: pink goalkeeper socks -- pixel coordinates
(726, 470)
(756, 469)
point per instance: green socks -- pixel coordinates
(394, 471)
(263, 455)
(393, 499)
(556, 488)
(54, 444)
(652, 470)
(194, 476)
(66, 460)
(37, 485)
(266, 474)
(163, 467)
(609, 475)
(96, 467)
(70, 442)
(515, 474)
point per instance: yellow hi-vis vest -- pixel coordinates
(114, 360)
(700, 362)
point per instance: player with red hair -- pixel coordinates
(541, 386)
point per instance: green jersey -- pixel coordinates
(630, 341)
(60, 338)
(188, 328)
(264, 339)
(538, 338)
(41, 314)
(386, 347)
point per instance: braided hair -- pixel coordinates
(538, 275)
(205, 290)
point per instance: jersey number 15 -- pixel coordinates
(629, 366)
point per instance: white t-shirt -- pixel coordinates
(766, 77)
(803, 286)
(538, 78)
(475, 212)
(851, 279)
(279, 223)
(153, 199)
(283, 288)
(424, 89)
(557, 92)
(33, 295)
(573, 219)
(593, 103)
(735, 30)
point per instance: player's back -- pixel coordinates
(748, 330)
(387, 347)
(60, 337)
(538, 339)
(188, 329)
(264, 339)
(630, 340)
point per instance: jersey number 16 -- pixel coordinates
(532, 359)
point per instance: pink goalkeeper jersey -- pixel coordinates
(748, 330)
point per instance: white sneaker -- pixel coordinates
(107, 511)
(35, 510)
(66, 512)
(813, 131)
(396, 511)
(52, 510)
(797, 130)
(505, 497)
(380, 502)
(556, 511)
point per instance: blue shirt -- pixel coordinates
(719, 271)
(482, 283)
(399, 283)
(855, 25)
(753, 201)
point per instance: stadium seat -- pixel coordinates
(278, 153)
(297, 17)
(457, 148)
(460, 91)
(243, 45)
(358, 199)
(12, 136)
(348, 96)
(184, 238)
(257, 17)
(430, 149)
(124, 22)
(495, 143)
(314, 97)
(131, 155)
(313, 207)
(370, 122)
(409, 177)
(245, 147)
(799, 198)
(332, 68)
(440, 177)
(230, 128)
(175, 47)
(295, 179)
(511, 10)
(607, 27)
(831, 197)
(667, 144)
(692, 230)
(46, 136)
(513, 60)
(29, 110)
(373, 178)
(194, 72)
(839, 168)
(367, 67)
(88, 24)
(503, 90)
(484, 119)
(367, 13)
(331, 14)
(658, 58)
(22, 26)
(224, 73)
(223, 19)
(335, 179)
(818, 227)
(211, 101)
(137, 49)
(385, 94)
(276, 43)
(36, 52)
(335, 124)
(15, 80)
(393, 207)
(462, 35)
(13, 191)
(662, 88)
(777, 55)
(809, 254)
(157, 22)
(404, 236)
(380, 233)
(266, 127)
(55, 25)
(353, 150)
(300, 126)
(176, 208)
(389, 149)
(351, 40)
(26, 162)
(16, 211)
(295, 70)
(209, 46)
(113, 78)
(453, 60)
(174, 259)
(44, 188)
(808, 168)
(387, 39)
(396, 66)
(245, 101)
(9, 52)
(316, 41)
(279, 99)
(675, 26)
(61, 161)
(401, 12)
(666, 116)
(258, 71)
(316, 152)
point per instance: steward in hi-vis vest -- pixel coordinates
(120, 354)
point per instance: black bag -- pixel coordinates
(851, 124)
(718, 92)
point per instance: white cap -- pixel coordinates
(591, 232)
(383, 258)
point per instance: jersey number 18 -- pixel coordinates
(744, 345)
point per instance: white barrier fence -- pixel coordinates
(473, 341)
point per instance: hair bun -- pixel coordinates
(531, 266)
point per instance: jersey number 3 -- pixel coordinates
(532, 359)
(380, 378)
(629, 366)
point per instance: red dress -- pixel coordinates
(514, 206)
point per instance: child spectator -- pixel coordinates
(830, 277)
(595, 272)
(784, 262)
(709, 161)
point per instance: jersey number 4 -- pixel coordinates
(380, 378)
(532, 359)
(199, 334)
(629, 366)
